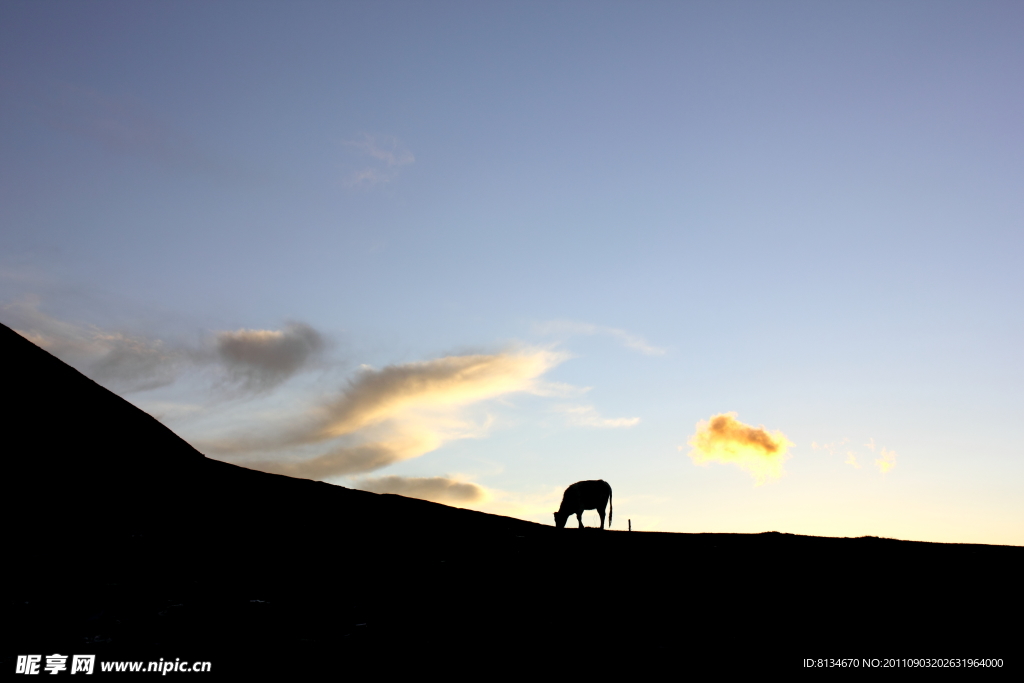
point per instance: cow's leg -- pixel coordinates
(600, 513)
(579, 518)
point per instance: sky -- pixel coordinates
(755, 264)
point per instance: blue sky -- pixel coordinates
(621, 219)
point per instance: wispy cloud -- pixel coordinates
(884, 463)
(830, 447)
(755, 450)
(566, 328)
(887, 460)
(254, 360)
(386, 157)
(587, 416)
(122, 362)
(393, 414)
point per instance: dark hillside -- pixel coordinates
(127, 543)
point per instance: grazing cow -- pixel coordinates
(585, 495)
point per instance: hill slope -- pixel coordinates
(128, 543)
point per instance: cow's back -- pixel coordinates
(587, 495)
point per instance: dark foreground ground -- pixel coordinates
(124, 542)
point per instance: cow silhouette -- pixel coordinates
(585, 495)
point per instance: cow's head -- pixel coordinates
(561, 518)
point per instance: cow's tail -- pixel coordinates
(610, 507)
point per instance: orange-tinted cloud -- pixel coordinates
(435, 386)
(755, 450)
(392, 414)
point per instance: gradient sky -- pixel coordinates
(288, 229)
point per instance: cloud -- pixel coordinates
(436, 385)
(630, 341)
(387, 155)
(261, 359)
(753, 449)
(121, 362)
(887, 461)
(587, 416)
(395, 413)
(436, 489)
(125, 363)
(135, 363)
(829, 448)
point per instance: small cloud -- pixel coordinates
(587, 416)
(436, 489)
(559, 389)
(386, 150)
(725, 439)
(261, 359)
(569, 328)
(829, 448)
(851, 459)
(887, 461)
(387, 156)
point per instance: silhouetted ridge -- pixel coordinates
(125, 542)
